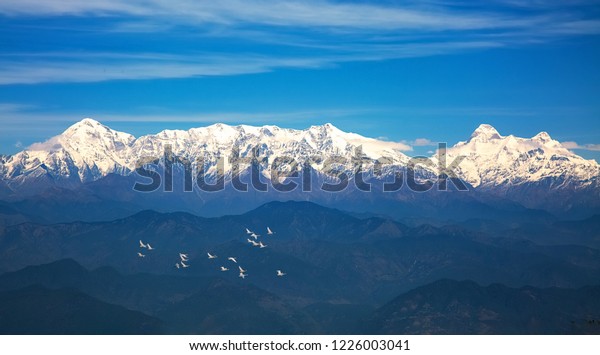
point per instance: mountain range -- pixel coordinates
(89, 172)
(331, 256)
(64, 298)
(505, 242)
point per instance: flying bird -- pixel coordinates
(255, 243)
(261, 245)
(223, 268)
(248, 231)
(280, 273)
(141, 255)
(242, 275)
(183, 257)
(254, 235)
(269, 231)
(210, 256)
(242, 270)
(184, 265)
(142, 245)
(232, 259)
(177, 265)
(150, 246)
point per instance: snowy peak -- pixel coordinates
(85, 125)
(326, 128)
(484, 133)
(85, 151)
(92, 131)
(90, 150)
(491, 159)
(542, 137)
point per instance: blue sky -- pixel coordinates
(412, 71)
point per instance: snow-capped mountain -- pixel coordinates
(97, 164)
(492, 160)
(88, 150)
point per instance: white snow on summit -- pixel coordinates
(493, 160)
(88, 151)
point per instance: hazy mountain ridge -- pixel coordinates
(37, 310)
(453, 307)
(333, 256)
(95, 302)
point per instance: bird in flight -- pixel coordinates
(177, 265)
(254, 235)
(184, 265)
(232, 259)
(183, 257)
(141, 255)
(142, 245)
(261, 245)
(248, 231)
(242, 275)
(149, 246)
(223, 268)
(242, 270)
(269, 231)
(281, 273)
(254, 243)
(210, 256)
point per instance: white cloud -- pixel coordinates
(313, 14)
(64, 70)
(423, 142)
(336, 32)
(9, 107)
(575, 146)
(44, 122)
(419, 142)
(306, 13)
(52, 144)
(105, 66)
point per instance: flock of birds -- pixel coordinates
(184, 258)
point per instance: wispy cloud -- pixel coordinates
(43, 117)
(576, 146)
(97, 67)
(36, 71)
(419, 142)
(423, 142)
(306, 13)
(313, 14)
(275, 34)
(9, 107)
